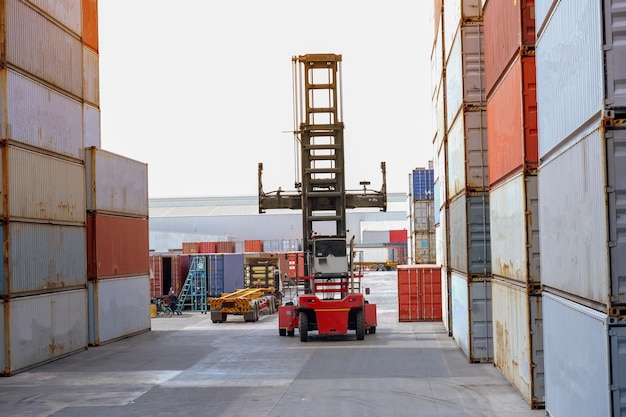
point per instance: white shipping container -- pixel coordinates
(91, 76)
(467, 153)
(441, 174)
(446, 300)
(439, 116)
(518, 340)
(425, 247)
(514, 226)
(457, 13)
(41, 328)
(42, 187)
(568, 99)
(469, 245)
(423, 215)
(441, 238)
(42, 257)
(91, 127)
(66, 12)
(42, 48)
(577, 360)
(40, 116)
(465, 72)
(116, 184)
(118, 308)
(578, 228)
(471, 317)
(436, 63)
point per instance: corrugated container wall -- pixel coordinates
(459, 12)
(509, 31)
(116, 184)
(470, 249)
(66, 12)
(117, 246)
(57, 326)
(518, 339)
(512, 121)
(42, 257)
(90, 23)
(419, 293)
(118, 308)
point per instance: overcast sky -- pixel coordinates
(201, 90)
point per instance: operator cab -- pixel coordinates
(330, 258)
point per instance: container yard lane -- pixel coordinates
(188, 365)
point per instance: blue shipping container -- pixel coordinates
(423, 184)
(224, 273)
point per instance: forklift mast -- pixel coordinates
(319, 130)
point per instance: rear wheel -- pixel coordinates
(360, 325)
(282, 332)
(291, 332)
(372, 329)
(304, 327)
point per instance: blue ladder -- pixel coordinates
(194, 287)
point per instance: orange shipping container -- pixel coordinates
(509, 30)
(207, 247)
(253, 246)
(512, 121)
(90, 24)
(191, 247)
(225, 247)
(116, 246)
(419, 293)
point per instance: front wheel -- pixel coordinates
(304, 327)
(360, 325)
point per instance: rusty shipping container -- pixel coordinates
(91, 77)
(458, 13)
(40, 258)
(224, 247)
(41, 328)
(419, 293)
(117, 246)
(167, 271)
(90, 23)
(46, 50)
(518, 339)
(425, 247)
(514, 229)
(509, 32)
(39, 116)
(42, 187)
(472, 326)
(116, 184)
(118, 308)
(512, 121)
(191, 247)
(91, 126)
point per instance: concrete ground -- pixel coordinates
(189, 366)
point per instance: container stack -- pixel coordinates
(510, 79)
(118, 268)
(422, 208)
(45, 85)
(582, 203)
(419, 293)
(462, 177)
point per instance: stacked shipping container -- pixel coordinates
(422, 208)
(47, 113)
(582, 203)
(419, 293)
(461, 175)
(512, 140)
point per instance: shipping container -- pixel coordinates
(441, 175)
(225, 273)
(436, 204)
(465, 78)
(457, 13)
(207, 247)
(90, 23)
(582, 195)
(471, 316)
(295, 268)
(41, 328)
(514, 229)
(419, 293)
(398, 236)
(224, 247)
(584, 355)
(41, 258)
(91, 77)
(446, 300)
(191, 247)
(166, 271)
(374, 236)
(509, 32)
(91, 127)
(42, 48)
(423, 180)
(424, 247)
(39, 116)
(117, 246)
(469, 231)
(118, 308)
(116, 184)
(65, 12)
(253, 246)
(436, 63)
(291, 245)
(467, 156)
(570, 99)
(423, 215)
(512, 121)
(440, 117)
(518, 339)
(441, 237)
(42, 187)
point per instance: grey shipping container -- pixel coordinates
(469, 231)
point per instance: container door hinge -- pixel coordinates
(612, 244)
(612, 332)
(613, 387)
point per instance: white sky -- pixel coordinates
(201, 90)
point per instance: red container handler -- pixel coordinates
(419, 293)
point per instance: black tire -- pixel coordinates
(360, 325)
(291, 332)
(282, 332)
(304, 327)
(372, 329)
(256, 312)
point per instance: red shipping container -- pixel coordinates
(509, 30)
(166, 271)
(253, 246)
(225, 247)
(396, 236)
(90, 23)
(419, 293)
(512, 122)
(207, 247)
(191, 247)
(117, 246)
